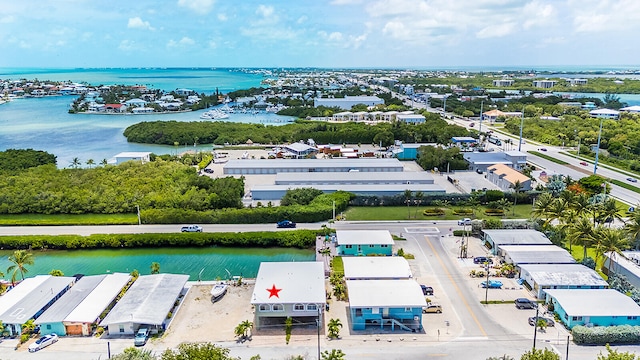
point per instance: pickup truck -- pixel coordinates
(191, 228)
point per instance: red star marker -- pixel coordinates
(273, 291)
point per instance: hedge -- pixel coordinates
(462, 233)
(296, 238)
(320, 209)
(600, 335)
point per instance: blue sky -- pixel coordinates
(317, 33)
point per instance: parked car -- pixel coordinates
(141, 337)
(549, 322)
(426, 290)
(208, 170)
(43, 342)
(286, 224)
(583, 163)
(542, 149)
(432, 308)
(524, 303)
(493, 284)
(632, 179)
(191, 228)
(465, 221)
(482, 260)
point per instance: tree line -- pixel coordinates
(433, 130)
(18, 159)
(115, 189)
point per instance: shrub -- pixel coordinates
(461, 233)
(434, 212)
(599, 335)
(24, 338)
(462, 211)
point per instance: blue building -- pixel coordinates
(598, 307)
(394, 304)
(409, 151)
(364, 242)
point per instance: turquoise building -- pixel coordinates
(364, 242)
(386, 304)
(409, 151)
(593, 307)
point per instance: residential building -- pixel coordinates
(288, 289)
(143, 157)
(495, 238)
(605, 114)
(535, 254)
(364, 242)
(631, 109)
(576, 82)
(506, 178)
(541, 277)
(410, 118)
(493, 115)
(598, 307)
(626, 264)
(40, 294)
(544, 84)
(385, 303)
(147, 303)
(376, 268)
(503, 83)
(348, 102)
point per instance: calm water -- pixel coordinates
(45, 124)
(214, 261)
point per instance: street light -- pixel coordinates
(595, 164)
(521, 125)
(486, 287)
(481, 116)
(318, 323)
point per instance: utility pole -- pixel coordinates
(521, 125)
(595, 164)
(318, 321)
(535, 327)
(481, 116)
(486, 288)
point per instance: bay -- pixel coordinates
(214, 260)
(45, 124)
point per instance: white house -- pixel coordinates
(605, 114)
(142, 156)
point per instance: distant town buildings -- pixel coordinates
(544, 84)
(348, 102)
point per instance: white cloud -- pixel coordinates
(199, 6)
(127, 45)
(222, 17)
(346, 2)
(184, 42)
(538, 14)
(265, 11)
(212, 44)
(138, 23)
(396, 29)
(605, 15)
(302, 19)
(334, 36)
(7, 19)
(498, 30)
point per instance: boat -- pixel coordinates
(218, 291)
(214, 114)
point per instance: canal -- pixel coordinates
(211, 263)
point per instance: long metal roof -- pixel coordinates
(20, 291)
(313, 163)
(72, 298)
(596, 302)
(385, 293)
(148, 300)
(517, 237)
(354, 177)
(538, 254)
(98, 300)
(563, 275)
(289, 282)
(376, 267)
(357, 188)
(36, 300)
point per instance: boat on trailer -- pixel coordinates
(218, 291)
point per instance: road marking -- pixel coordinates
(428, 230)
(456, 286)
(471, 338)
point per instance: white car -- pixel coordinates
(191, 228)
(465, 221)
(43, 342)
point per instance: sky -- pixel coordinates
(318, 33)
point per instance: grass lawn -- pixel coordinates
(401, 213)
(550, 158)
(63, 219)
(577, 252)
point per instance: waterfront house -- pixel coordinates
(147, 303)
(605, 114)
(288, 289)
(31, 300)
(135, 103)
(139, 156)
(631, 109)
(599, 307)
(364, 242)
(80, 307)
(115, 108)
(493, 239)
(185, 92)
(541, 277)
(385, 303)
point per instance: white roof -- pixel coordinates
(133, 154)
(538, 254)
(376, 267)
(604, 112)
(596, 302)
(20, 291)
(148, 300)
(364, 237)
(634, 108)
(98, 300)
(72, 298)
(299, 147)
(517, 237)
(289, 282)
(563, 275)
(37, 299)
(385, 293)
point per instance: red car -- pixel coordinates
(583, 163)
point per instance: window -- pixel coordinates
(312, 307)
(372, 246)
(298, 307)
(121, 328)
(384, 245)
(348, 246)
(576, 318)
(407, 309)
(48, 326)
(277, 307)
(358, 312)
(632, 317)
(264, 307)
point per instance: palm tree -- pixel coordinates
(248, 325)
(333, 355)
(581, 204)
(334, 327)
(104, 162)
(90, 162)
(632, 228)
(610, 241)
(542, 206)
(19, 258)
(610, 211)
(75, 163)
(155, 268)
(557, 211)
(582, 233)
(56, 272)
(418, 199)
(407, 199)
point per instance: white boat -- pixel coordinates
(214, 114)
(218, 291)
